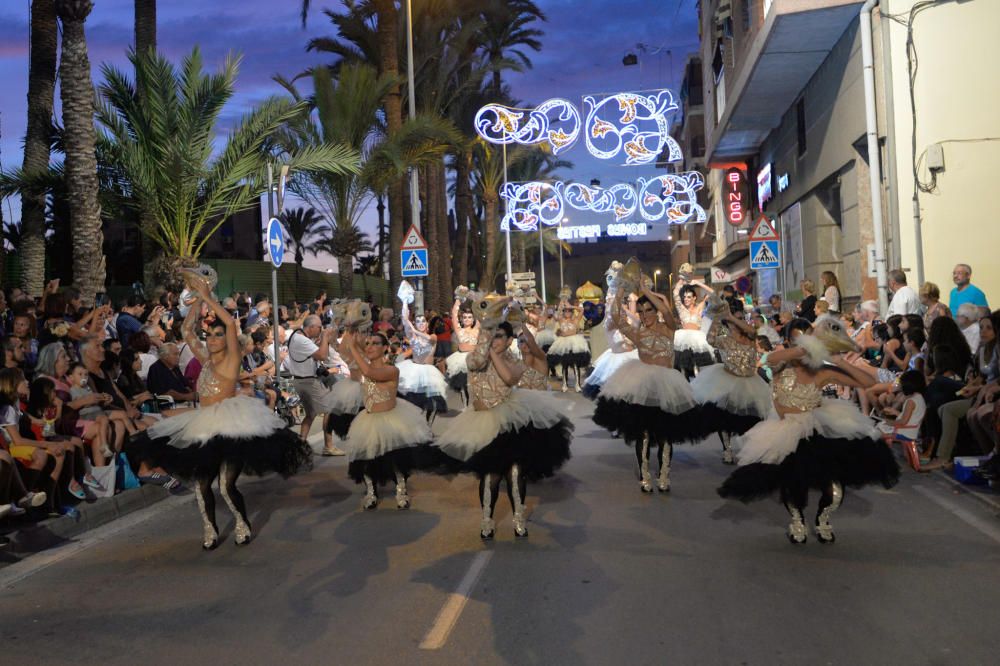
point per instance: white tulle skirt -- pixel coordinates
(346, 397)
(373, 435)
(774, 440)
(750, 396)
(239, 417)
(473, 430)
(456, 364)
(606, 365)
(568, 345)
(419, 378)
(545, 337)
(639, 383)
(693, 341)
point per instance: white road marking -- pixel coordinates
(453, 607)
(29, 566)
(986, 527)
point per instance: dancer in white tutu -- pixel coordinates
(346, 400)
(647, 401)
(570, 351)
(420, 382)
(536, 365)
(733, 397)
(465, 335)
(818, 442)
(542, 326)
(228, 434)
(386, 439)
(691, 349)
(620, 348)
(508, 433)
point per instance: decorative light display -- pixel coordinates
(673, 196)
(554, 121)
(641, 130)
(528, 204)
(618, 199)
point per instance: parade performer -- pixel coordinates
(646, 400)
(466, 335)
(732, 396)
(346, 398)
(508, 433)
(570, 350)
(228, 434)
(620, 348)
(385, 439)
(420, 382)
(818, 442)
(536, 365)
(543, 327)
(691, 349)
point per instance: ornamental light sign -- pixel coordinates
(735, 188)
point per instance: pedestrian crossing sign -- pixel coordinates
(414, 263)
(765, 254)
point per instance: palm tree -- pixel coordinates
(345, 243)
(37, 141)
(487, 178)
(505, 35)
(145, 26)
(77, 96)
(302, 224)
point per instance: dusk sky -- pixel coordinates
(583, 46)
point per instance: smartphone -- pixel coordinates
(100, 298)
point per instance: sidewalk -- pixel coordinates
(988, 496)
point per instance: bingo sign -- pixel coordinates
(736, 196)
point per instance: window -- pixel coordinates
(719, 70)
(800, 125)
(746, 7)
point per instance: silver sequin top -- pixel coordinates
(568, 327)
(655, 348)
(738, 359)
(486, 388)
(375, 394)
(791, 394)
(466, 336)
(534, 380)
(210, 386)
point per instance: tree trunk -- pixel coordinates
(478, 238)
(345, 270)
(380, 209)
(387, 35)
(492, 240)
(463, 213)
(77, 96)
(445, 287)
(41, 91)
(145, 26)
(429, 228)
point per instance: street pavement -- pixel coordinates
(607, 576)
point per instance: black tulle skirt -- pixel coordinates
(687, 361)
(816, 462)
(714, 419)
(538, 452)
(425, 402)
(383, 469)
(339, 424)
(634, 421)
(459, 381)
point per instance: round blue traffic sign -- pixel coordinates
(275, 242)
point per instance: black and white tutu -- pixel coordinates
(604, 367)
(457, 370)
(193, 444)
(346, 401)
(640, 397)
(731, 404)
(423, 385)
(834, 442)
(528, 430)
(691, 351)
(380, 443)
(544, 339)
(569, 351)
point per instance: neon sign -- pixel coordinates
(672, 196)
(584, 231)
(735, 190)
(641, 130)
(618, 199)
(529, 204)
(764, 185)
(500, 124)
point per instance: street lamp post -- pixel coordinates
(561, 283)
(418, 297)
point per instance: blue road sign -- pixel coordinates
(275, 242)
(765, 254)
(414, 263)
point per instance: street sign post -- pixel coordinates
(413, 263)
(275, 242)
(765, 254)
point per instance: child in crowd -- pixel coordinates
(44, 411)
(905, 427)
(764, 347)
(23, 466)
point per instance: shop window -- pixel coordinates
(800, 125)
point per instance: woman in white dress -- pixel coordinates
(465, 335)
(570, 350)
(420, 381)
(691, 348)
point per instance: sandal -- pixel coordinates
(76, 490)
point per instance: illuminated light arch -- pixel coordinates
(618, 199)
(531, 203)
(672, 196)
(641, 130)
(555, 121)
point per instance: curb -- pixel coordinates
(40, 536)
(990, 499)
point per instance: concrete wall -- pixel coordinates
(957, 94)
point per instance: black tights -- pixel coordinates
(494, 490)
(227, 475)
(659, 456)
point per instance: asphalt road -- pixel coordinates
(607, 576)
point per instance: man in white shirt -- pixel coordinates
(904, 300)
(307, 346)
(967, 318)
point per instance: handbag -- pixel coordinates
(125, 479)
(106, 476)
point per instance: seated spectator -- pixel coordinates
(906, 422)
(930, 298)
(129, 381)
(764, 347)
(945, 332)
(256, 368)
(27, 467)
(141, 343)
(822, 308)
(165, 377)
(112, 345)
(23, 328)
(44, 411)
(13, 353)
(967, 318)
(945, 383)
(128, 322)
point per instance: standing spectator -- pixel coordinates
(930, 297)
(807, 308)
(967, 318)
(128, 322)
(165, 377)
(904, 300)
(831, 291)
(307, 346)
(965, 291)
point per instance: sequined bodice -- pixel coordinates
(375, 394)
(739, 359)
(567, 327)
(533, 379)
(486, 388)
(689, 317)
(467, 336)
(792, 394)
(655, 348)
(210, 386)
(421, 346)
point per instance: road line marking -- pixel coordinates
(453, 607)
(984, 526)
(32, 564)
